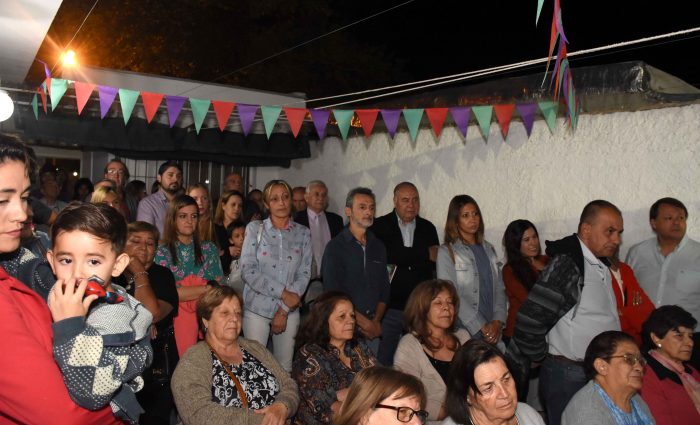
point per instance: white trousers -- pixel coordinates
(257, 328)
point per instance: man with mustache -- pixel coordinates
(153, 207)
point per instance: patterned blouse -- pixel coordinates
(210, 269)
(282, 260)
(320, 373)
(260, 385)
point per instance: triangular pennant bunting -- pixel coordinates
(320, 119)
(107, 96)
(270, 114)
(343, 117)
(391, 120)
(549, 110)
(83, 91)
(42, 94)
(174, 104)
(58, 89)
(200, 108)
(461, 115)
(413, 117)
(246, 113)
(223, 112)
(527, 113)
(504, 113)
(436, 116)
(128, 99)
(151, 103)
(35, 106)
(483, 116)
(295, 116)
(47, 86)
(367, 118)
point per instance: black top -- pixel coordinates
(413, 264)
(223, 243)
(442, 367)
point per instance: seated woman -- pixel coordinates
(481, 390)
(426, 352)
(227, 378)
(328, 359)
(670, 385)
(383, 396)
(615, 367)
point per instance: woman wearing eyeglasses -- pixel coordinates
(615, 368)
(383, 396)
(671, 386)
(481, 390)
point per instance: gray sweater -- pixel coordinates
(191, 385)
(588, 408)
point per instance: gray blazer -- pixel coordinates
(588, 408)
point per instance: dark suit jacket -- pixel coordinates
(335, 222)
(413, 264)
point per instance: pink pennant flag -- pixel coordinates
(48, 85)
(83, 91)
(391, 120)
(107, 96)
(320, 119)
(436, 116)
(174, 104)
(527, 113)
(295, 116)
(367, 118)
(223, 112)
(504, 113)
(247, 114)
(461, 115)
(42, 93)
(151, 103)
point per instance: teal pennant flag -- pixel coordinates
(200, 107)
(549, 110)
(343, 117)
(127, 98)
(58, 89)
(270, 115)
(35, 106)
(483, 116)
(413, 117)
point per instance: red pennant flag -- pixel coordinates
(436, 116)
(295, 116)
(504, 113)
(43, 97)
(83, 91)
(367, 118)
(223, 112)
(48, 85)
(151, 103)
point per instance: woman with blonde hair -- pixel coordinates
(106, 195)
(200, 193)
(383, 396)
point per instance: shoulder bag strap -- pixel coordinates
(236, 382)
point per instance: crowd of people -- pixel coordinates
(264, 307)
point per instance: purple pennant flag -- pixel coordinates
(527, 113)
(246, 114)
(107, 96)
(320, 119)
(391, 120)
(461, 115)
(174, 104)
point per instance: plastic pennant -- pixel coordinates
(549, 111)
(527, 113)
(200, 108)
(436, 116)
(391, 120)
(247, 114)
(174, 104)
(35, 106)
(47, 86)
(270, 114)
(223, 112)
(343, 117)
(368, 117)
(42, 94)
(504, 113)
(107, 96)
(461, 115)
(58, 89)
(295, 116)
(127, 98)
(413, 117)
(320, 119)
(83, 91)
(539, 10)
(483, 116)
(151, 103)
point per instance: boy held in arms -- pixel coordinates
(236, 235)
(102, 348)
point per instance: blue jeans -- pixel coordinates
(559, 381)
(392, 330)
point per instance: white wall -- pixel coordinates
(628, 158)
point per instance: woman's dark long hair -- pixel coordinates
(512, 240)
(170, 232)
(315, 328)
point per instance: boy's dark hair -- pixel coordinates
(99, 220)
(236, 224)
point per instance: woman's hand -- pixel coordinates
(491, 331)
(290, 299)
(279, 322)
(235, 251)
(275, 414)
(66, 299)
(135, 265)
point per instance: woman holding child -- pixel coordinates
(228, 211)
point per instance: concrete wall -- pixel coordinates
(630, 159)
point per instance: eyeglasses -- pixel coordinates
(630, 359)
(405, 414)
(115, 171)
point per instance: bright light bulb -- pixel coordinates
(69, 59)
(75, 174)
(7, 107)
(206, 181)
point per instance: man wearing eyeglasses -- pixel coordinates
(117, 171)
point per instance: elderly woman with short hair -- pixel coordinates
(227, 379)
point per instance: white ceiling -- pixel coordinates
(23, 26)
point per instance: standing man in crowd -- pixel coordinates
(668, 266)
(234, 181)
(116, 171)
(411, 245)
(50, 191)
(152, 208)
(355, 263)
(298, 199)
(571, 303)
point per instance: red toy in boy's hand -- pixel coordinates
(94, 287)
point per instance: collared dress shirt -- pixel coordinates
(320, 236)
(407, 230)
(152, 209)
